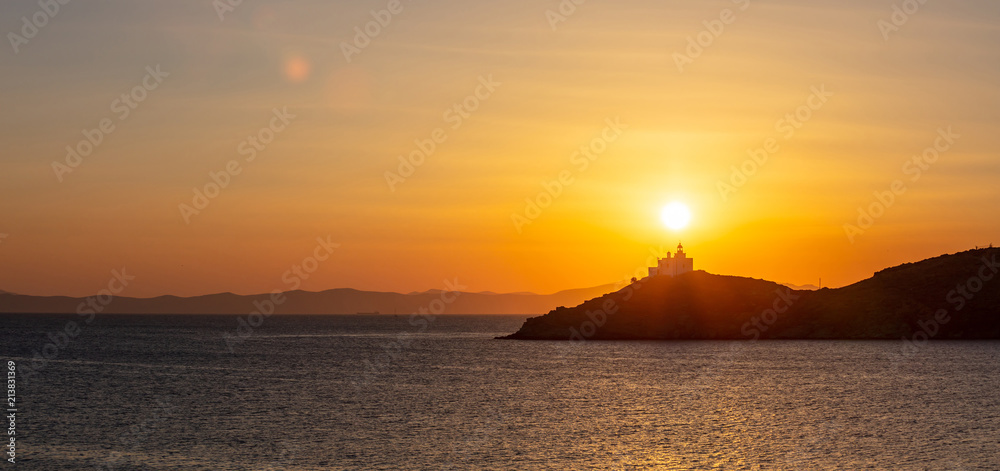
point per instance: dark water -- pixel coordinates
(349, 392)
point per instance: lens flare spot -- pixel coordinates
(297, 69)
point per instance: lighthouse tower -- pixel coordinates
(674, 265)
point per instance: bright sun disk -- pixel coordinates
(675, 215)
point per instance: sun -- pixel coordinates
(675, 215)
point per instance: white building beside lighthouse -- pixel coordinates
(673, 265)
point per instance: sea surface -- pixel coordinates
(387, 392)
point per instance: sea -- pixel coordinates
(374, 392)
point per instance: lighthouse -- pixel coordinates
(674, 265)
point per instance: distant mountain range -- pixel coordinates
(333, 301)
(807, 287)
(953, 296)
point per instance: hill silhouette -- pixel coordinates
(953, 296)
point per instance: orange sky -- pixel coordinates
(554, 90)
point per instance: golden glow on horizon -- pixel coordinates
(781, 216)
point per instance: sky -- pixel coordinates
(874, 125)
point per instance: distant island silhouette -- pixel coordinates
(954, 296)
(332, 301)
